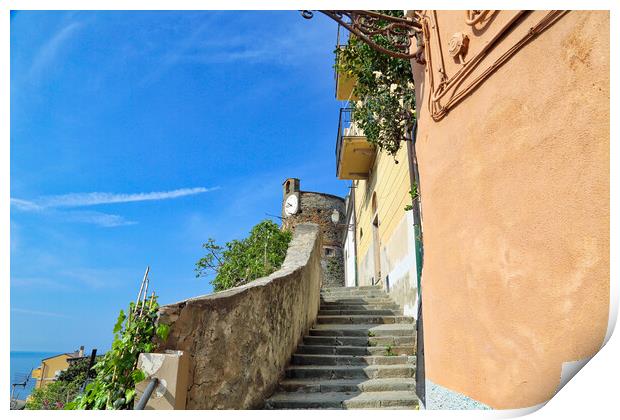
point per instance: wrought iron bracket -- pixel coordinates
(365, 24)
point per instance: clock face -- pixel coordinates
(291, 205)
(335, 216)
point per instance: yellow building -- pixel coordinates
(51, 367)
(379, 246)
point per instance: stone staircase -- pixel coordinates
(359, 355)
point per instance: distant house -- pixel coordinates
(51, 367)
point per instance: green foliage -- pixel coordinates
(56, 395)
(385, 110)
(389, 351)
(117, 373)
(241, 261)
(371, 334)
(414, 195)
(53, 396)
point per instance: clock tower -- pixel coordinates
(290, 198)
(327, 211)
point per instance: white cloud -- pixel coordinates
(38, 283)
(25, 205)
(98, 218)
(38, 313)
(49, 204)
(46, 54)
(95, 198)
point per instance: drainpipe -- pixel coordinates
(414, 177)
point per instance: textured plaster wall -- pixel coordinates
(240, 340)
(398, 256)
(515, 201)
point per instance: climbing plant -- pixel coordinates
(117, 372)
(414, 195)
(241, 261)
(385, 110)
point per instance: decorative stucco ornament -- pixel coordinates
(457, 46)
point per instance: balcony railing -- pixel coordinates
(354, 154)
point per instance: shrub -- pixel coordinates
(241, 261)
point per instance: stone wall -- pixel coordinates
(240, 340)
(319, 208)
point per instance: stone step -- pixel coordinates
(348, 360)
(340, 289)
(359, 312)
(356, 350)
(361, 301)
(362, 330)
(343, 400)
(351, 372)
(357, 307)
(362, 295)
(348, 385)
(340, 341)
(364, 319)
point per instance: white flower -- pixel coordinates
(410, 85)
(393, 87)
(401, 123)
(377, 74)
(401, 103)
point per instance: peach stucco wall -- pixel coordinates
(515, 201)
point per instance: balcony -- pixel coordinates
(344, 82)
(354, 154)
(344, 85)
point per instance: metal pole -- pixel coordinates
(419, 256)
(148, 391)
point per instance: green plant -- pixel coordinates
(241, 261)
(385, 110)
(117, 372)
(58, 394)
(53, 396)
(389, 351)
(77, 370)
(414, 195)
(371, 334)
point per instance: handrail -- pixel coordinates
(148, 391)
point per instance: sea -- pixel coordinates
(22, 363)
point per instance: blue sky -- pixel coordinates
(135, 136)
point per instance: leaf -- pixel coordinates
(119, 322)
(129, 394)
(138, 376)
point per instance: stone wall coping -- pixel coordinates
(297, 256)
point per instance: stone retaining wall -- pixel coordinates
(240, 340)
